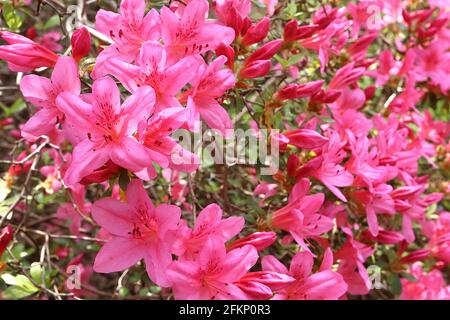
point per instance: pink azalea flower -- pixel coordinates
(107, 127)
(352, 256)
(428, 286)
(139, 231)
(327, 167)
(440, 238)
(42, 92)
(154, 134)
(212, 275)
(211, 82)
(376, 201)
(152, 69)
(128, 30)
(300, 216)
(192, 33)
(322, 285)
(434, 62)
(208, 225)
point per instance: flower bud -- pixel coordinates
(266, 52)
(81, 43)
(260, 240)
(255, 69)
(6, 235)
(257, 32)
(306, 138)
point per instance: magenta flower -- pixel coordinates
(128, 30)
(209, 225)
(107, 127)
(212, 275)
(139, 231)
(300, 217)
(322, 285)
(152, 69)
(210, 83)
(192, 33)
(42, 92)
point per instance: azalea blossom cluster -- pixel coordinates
(357, 101)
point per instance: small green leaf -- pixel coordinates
(284, 63)
(294, 59)
(395, 284)
(408, 276)
(13, 19)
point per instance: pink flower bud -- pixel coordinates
(297, 91)
(273, 280)
(81, 43)
(417, 255)
(6, 235)
(346, 76)
(255, 290)
(227, 51)
(292, 165)
(266, 52)
(260, 240)
(328, 96)
(293, 32)
(306, 138)
(23, 54)
(255, 69)
(389, 237)
(257, 32)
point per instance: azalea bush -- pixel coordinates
(230, 149)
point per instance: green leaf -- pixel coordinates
(52, 22)
(16, 107)
(20, 286)
(284, 63)
(15, 293)
(294, 59)
(395, 284)
(408, 276)
(13, 19)
(36, 272)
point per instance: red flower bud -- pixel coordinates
(6, 235)
(389, 237)
(293, 32)
(227, 51)
(417, 255)
(81, 43)
(255, 69)
(297, 91)
(266, 52)
(257, 32)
